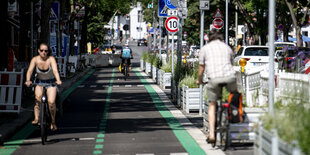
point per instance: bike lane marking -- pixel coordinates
(14, 143)
(101, 133)
(187, 141)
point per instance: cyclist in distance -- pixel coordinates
(125, 56)
(217, 58)
(46, 69)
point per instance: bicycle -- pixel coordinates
(125, 68)
(45, 116)
(222, 123)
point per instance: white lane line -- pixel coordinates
(93, 86)
(140, 85)
(81, 86)
(145, 154)
(71, 128)
(73, 139)
(181, 153)
(115, 85)
(128, 85)
(105, 85)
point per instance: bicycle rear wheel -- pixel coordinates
(43, 123)
(125, 72)
(224, 134)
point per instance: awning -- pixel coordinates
(304, 38)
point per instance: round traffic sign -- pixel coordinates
(218, 23)
(171, 24)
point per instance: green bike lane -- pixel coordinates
(108, 115)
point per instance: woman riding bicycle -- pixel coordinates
(47, 72)
(217, 58)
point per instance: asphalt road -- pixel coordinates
(107, 115)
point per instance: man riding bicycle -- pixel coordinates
(217, 58)
(126, 55)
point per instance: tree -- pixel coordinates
(45, 16)
(298, 11)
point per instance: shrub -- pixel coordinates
(144, 56)
(189, 81)
(167, 67)
(157, 62)
(292, 122)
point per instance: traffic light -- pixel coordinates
(150, 5)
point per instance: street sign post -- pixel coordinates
(171, 24)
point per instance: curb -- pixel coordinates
(7, 130)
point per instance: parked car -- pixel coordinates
(142, 42)
(255, 55)
(294, 58)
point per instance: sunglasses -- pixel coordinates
(46, 51)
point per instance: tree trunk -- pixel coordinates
(45, 16)
(296, 26)
(84, 31)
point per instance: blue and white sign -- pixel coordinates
(54, 11)
(170, 5)
(164, 6)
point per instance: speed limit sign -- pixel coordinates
(171, 24)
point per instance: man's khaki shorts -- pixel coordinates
(214, 91)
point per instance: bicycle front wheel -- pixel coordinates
(43, 123)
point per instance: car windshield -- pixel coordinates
(256, 52)
(118, 47)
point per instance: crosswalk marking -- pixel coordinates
(93, 86)
(140, 85)
(127, 85)
(115, 86)
(81, 86)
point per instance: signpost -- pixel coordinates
(171, 25)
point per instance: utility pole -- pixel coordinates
(271, 35)
(154, 28)
(236, 28)
(226, 23)
(31, 30)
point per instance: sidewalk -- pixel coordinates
(11, 123)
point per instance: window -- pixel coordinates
(139, 16)
(256, 52)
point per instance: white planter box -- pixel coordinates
(142, 65)
(148, 68)
(154, 73)
(268, 143)
(165, 81)
(160, 75)
(190, 98)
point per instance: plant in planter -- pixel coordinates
(292, 122)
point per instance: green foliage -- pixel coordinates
(144, 56)
(190, 81)
(167, 67)
(292, 122)
(157, 62)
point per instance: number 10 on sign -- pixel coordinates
(171, 24)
